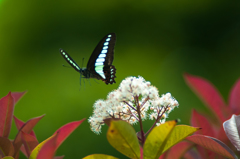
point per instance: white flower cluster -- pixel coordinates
(134, 97)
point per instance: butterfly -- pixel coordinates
(99, 65)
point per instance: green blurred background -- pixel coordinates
(159, 40)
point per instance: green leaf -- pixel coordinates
(8, 157)
(122, 136)
(179, 133)
(157, 139)
(99, 156)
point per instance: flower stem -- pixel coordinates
(140, 120)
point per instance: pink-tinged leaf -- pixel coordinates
(234, 98)
(23, 150)
(6, 114)
(205, 153)
(6, 147)
(202, 151)
(27, 128)
(212, 144)
(178, 150)
(162, 156)
(232, 129)
(99, 156)
(221, 135)
(58, 157)
(209, 95)
(199, 120)
(29, 142)
(66, 130)
(17, 95)
(7, 157)
(191, 154)
(19, 123)
(48, 149)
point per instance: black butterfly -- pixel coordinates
(99, 65)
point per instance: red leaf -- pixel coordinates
(17, 95)
(19, 123)
(177, 151)
(23, 150)
(212, 144)
(197, 120)
(209, 95)
(234, 98)
(6, 147)
(66, 130)
(27, 128)
(191, 154)
(48, 149)
(29, 142)
(222, 136)
(6, 114)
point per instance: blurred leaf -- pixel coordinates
(8, 157)
(29, 142)
(157, 139)
(20, 123)
(99, 156)
(6, 114)
(66, 130)
(36, 150)
(27, 128)
(178, 150)
(213, 145)
(17, 96)
(48, 149)
(208, 94)
(23, 150)
(179, 133)
(6, 147)
(232, 129)
(199, 120)
(122, 136)
(234, 100)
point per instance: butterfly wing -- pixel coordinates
(100, 62)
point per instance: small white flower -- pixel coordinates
(134, 96)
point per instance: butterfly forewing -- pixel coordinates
(102, 57)
(66, 56)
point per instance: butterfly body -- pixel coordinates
(100, 63)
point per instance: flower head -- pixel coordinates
(134, 100)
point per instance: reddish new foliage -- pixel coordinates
(25, 135)
(6, 114)
(209, 138)
(49, 148)
(214, 101)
